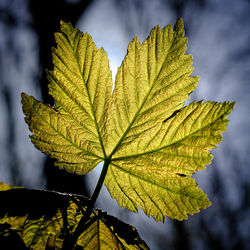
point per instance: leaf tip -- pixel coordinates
(136, 40)
(24, 100)
(67, 29)
(229, 107)
(23, 95)
(232, 104)
(179, 27)
(64, 24)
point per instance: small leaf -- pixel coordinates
(39, 228)
(108, 232)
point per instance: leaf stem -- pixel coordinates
(99, 183)
(69, 243)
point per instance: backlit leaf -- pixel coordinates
(151, 141)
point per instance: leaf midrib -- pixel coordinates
(169, 145)
(84, 83)
(69, 112)
(63, 136)
(143, 102)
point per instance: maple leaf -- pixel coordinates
(149, 142)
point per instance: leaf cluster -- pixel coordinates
(48, 220)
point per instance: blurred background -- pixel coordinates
(219, 39)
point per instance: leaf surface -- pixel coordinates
(151, 84)
(153, 144)
(80, 84)
(158, 179)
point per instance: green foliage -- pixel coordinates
(150, 143)
(49, 228)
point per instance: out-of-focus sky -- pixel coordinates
(219, 40)
(19, 67)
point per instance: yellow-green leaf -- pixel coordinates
(150, 142)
